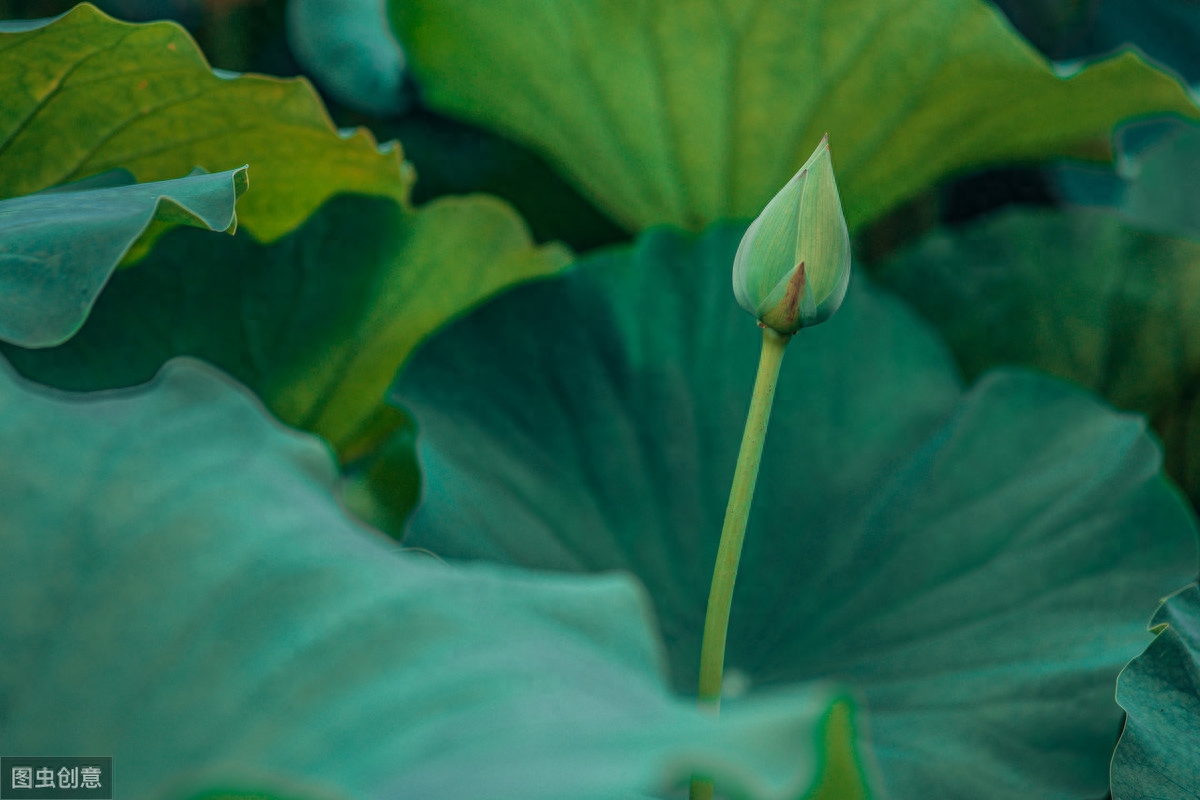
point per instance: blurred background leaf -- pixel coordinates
(685, 112)
(1078, 294)
(455, 158)
(1154, 186)
(348, 46)
(1165, 30)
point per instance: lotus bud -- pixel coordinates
(793, 265)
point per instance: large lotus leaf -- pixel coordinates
(85, 93)
(58, 248)
(316, 323)
(978, 565)
(348, 47)
(1077, 294)
(183, 592)
(1158, 757)
(687, 111)
(1153, 187)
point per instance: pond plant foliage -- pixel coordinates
(308, 490)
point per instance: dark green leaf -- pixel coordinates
(454, 158)
(317, 323)
(687, 111)
(183, 592)
(384, 483)
(1077, 294)
(1165, 30)
(58, 248)
(1158, 757)
(979, 565)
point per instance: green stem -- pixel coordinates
(729, 552)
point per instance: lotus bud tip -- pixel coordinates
(793, 264)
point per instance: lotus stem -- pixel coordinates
(733, 532)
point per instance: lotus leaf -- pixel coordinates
(316, 323)
(187, 592)
(1147, 190)
(977, 564)
(84, 94)
(59, 247)
(1158, 757)
(348, 46)
(688, 111)
(1075, 293)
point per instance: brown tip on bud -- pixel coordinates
(795, 289)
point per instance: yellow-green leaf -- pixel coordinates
(686, 111)
(85, 93)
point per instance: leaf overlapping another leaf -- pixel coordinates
(207, 614)
(316, 323)
(1158, 757)
(59, 247)
(979, 565)
(84, 94)
(689, 111)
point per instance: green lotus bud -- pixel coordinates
(793, 265)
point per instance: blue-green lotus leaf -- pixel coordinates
(1158, 757)
(350, 50)
(1153, 187)
(183, 592)
(978, 564)
(23, 25)
(58, 248)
